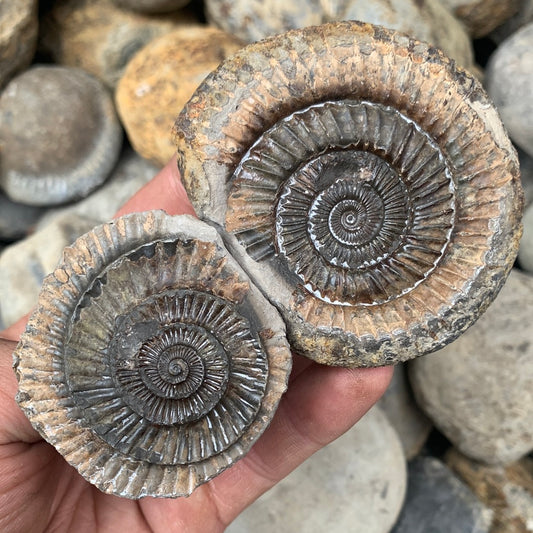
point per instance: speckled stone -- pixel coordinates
(24, 265)
(438, 502)
(509, 82)
(18, 36)
(482, 16)
(252, 20)
(161, 78)
(411, 424)
(507, 491)
(357, 483)
(478, 391)
(152, 6)
(101, 38)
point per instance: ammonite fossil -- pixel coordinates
(365, 183)
(151, 362)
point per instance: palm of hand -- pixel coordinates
(39, 491)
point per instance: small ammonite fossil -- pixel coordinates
(365, 183)
(151, 362)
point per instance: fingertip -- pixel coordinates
(165, 191)
(13, 332)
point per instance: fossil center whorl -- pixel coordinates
(352, 196)
(179, 365)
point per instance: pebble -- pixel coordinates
(161, 78)
(438, 502)
(130, 174)
(100, 37)
(17, 220)
(18, 36)
(509, 82)
(428, 20)
(479, 390)
(152, 6)
(357, 483)
(507, 491)
(24, 265)
(525, 253)
(59, 135)
(523, 16)
(482, 16)
(411, 424)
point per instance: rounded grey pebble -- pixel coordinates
(509, 82)
(59, 135)
(24, 264)
(430, 21)
(131, 173)
(438, 502)
(411, 424)
(356, 483)
(525, 253)
(479, 390)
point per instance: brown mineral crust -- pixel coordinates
(160, 79)
(268, 81)
(506, 490)
(18, 37)
(101, 38)
(152, 281)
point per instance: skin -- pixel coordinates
(39, 491)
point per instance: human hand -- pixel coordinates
(39, 491)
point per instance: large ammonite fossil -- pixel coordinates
(151, 362)
(365, 183)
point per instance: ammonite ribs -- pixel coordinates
(151, 363)
(364, 182)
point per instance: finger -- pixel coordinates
(321, 404)
(14, 426)
(13, 332)
(165, 191)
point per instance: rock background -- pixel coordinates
(468, 432)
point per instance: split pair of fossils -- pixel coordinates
(362, 201)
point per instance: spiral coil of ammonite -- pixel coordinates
(162, 364)
(366, 184)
